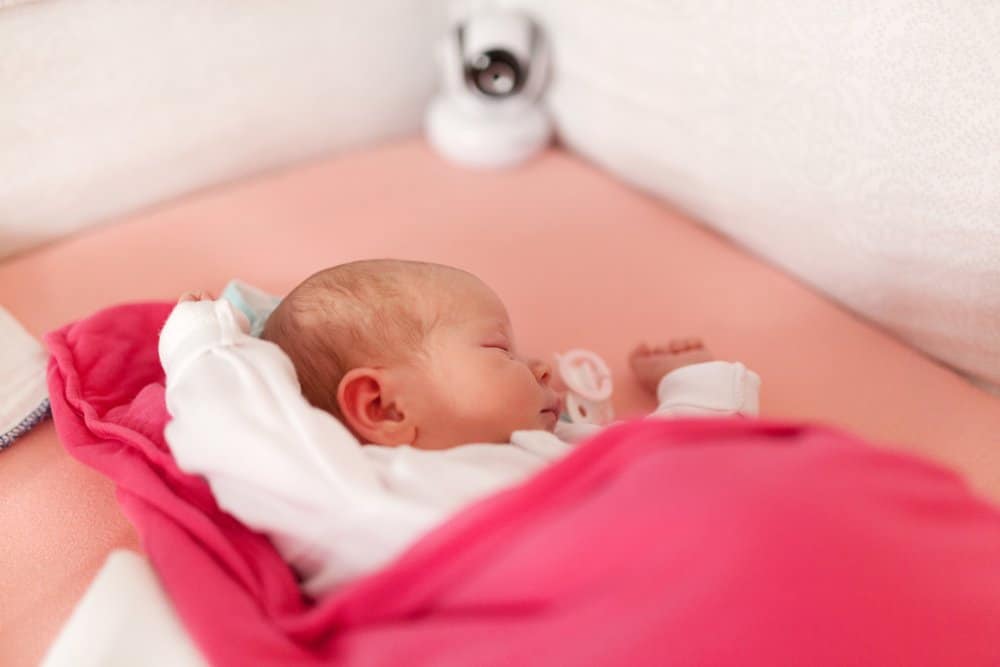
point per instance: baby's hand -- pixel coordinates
(650, 364)
(197, 295)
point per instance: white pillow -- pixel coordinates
(106, 106)
(857, 146)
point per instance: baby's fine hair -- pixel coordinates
(357, 314)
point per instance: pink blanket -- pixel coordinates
(728, 542)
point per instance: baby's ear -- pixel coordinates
(367, 407)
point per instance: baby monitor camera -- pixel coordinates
(489, 112)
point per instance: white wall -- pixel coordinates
(855, 144)
(106, 106)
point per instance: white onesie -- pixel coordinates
(333, 508)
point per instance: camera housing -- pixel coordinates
(490, 112)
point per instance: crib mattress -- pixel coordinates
(581, 261)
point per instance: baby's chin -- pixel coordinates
(545, 420)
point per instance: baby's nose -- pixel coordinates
(542, 371)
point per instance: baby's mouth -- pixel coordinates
(552, 411)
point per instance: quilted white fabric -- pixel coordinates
(106, 106)
(855, 144)
(24, 396)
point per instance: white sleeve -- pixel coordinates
(275, 462)
(713, 388)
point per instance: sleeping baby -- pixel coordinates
(382, 397)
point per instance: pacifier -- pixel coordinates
(587, 380)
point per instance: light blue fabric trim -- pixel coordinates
(256, 304)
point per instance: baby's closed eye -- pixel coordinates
(500, 346)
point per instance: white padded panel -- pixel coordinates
(124, 618)
(855, 144)
(106, 106)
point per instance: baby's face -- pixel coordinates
(470, 384)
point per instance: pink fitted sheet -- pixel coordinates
(580, 259)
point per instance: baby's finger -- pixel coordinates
(195, 295)
(688, 344)
(640, 349)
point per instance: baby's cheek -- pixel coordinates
(488, 388)
(522, 390)
(474, 393)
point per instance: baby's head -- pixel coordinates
(411, 353)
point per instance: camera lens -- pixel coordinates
(495, 73)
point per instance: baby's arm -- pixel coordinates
(272, 460)
(688, 382)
